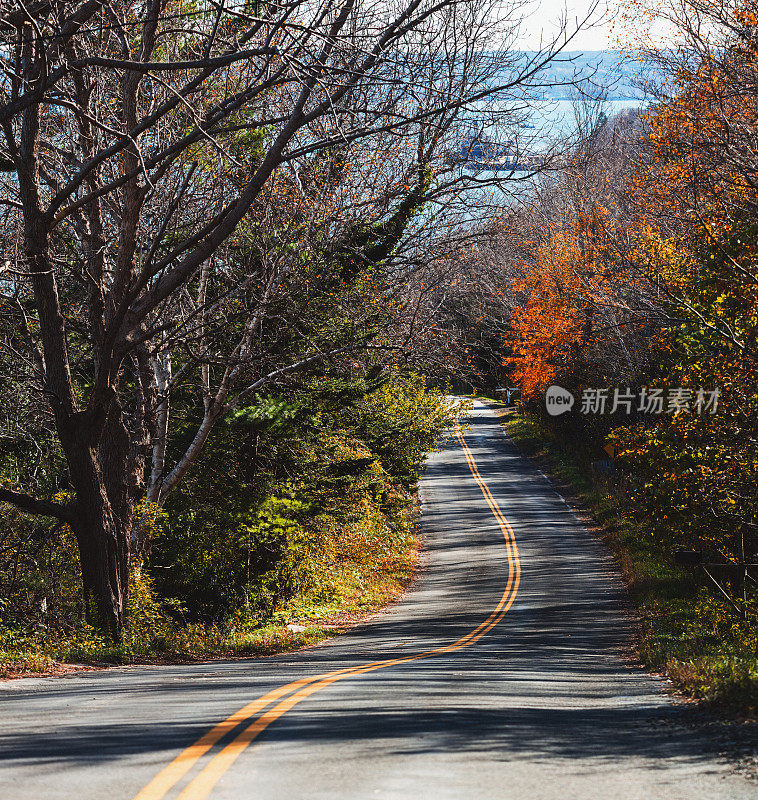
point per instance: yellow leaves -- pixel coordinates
(149, 517)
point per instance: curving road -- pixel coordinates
(500, 675)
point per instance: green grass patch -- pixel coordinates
(687, 632)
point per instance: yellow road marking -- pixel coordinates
(171, 774)
(202, 785)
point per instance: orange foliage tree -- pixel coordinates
(553, 323)
(573, 312)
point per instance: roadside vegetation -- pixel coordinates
(633, 275)
(687, 632)
(300, 518)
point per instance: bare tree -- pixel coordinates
(142, 142)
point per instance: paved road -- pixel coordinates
(520, 691)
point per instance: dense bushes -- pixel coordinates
(286, 490)
(300, 507)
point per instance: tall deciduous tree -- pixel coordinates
(143, 142)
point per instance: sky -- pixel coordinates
(543, 17)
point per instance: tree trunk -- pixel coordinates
(101, 520)
(104, 560)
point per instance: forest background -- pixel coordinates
(244, 264)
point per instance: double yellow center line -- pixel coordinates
(293, 693)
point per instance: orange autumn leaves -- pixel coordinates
(564, 287)
(702, 135)
(689, 177)
(547, 328)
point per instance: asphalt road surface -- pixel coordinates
(500, 675)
